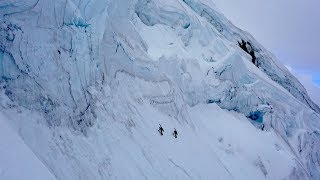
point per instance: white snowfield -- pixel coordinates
(17, 161)
(84, 85)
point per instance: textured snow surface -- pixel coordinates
(85, 84)
(17, 161)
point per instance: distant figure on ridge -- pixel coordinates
(161, 130)
(175, 133)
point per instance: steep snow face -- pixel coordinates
(86, 83)
(17, 161)
(259, 55)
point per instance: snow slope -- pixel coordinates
(218, 145)
(17, 160)
(85, 84)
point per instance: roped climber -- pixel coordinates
(175, 133)
(160, 130)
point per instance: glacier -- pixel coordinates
(85, 84)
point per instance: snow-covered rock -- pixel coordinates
(86, 84)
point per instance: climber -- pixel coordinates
(161, 130)
(175, 133)
(262, 128)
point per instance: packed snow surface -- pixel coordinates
(86, 83)
(17, 160)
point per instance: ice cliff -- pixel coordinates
(86, 83)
